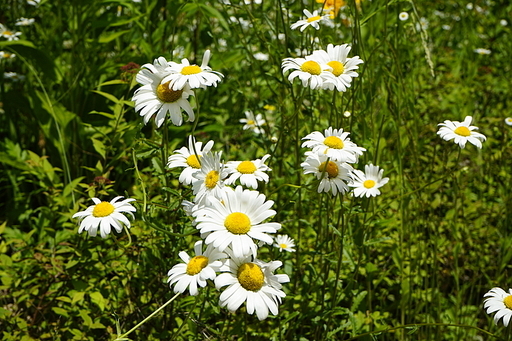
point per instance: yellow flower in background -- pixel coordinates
(332, 6)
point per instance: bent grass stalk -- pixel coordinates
(123, 336)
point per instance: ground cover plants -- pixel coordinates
(266, 169)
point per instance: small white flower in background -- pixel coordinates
(187, 158)
(461, 132)
(261, 56)
(310, 71)
(195, 271)
(236, 220)
(103, 215)
(249, 172)
(13, 76)
(209, 180)
(253, 122)
(333, 175)
(253, 282)
(403, 16)
(503, 22)
(342, 67)
(482, 51)
(469, 5)
(248, 2)
(368, 183)
(8, 34)
(156, 96)
(347, 114)
(284, 242)
(24, 21)
(33, 2)
(508, 121)
(446, 27)
(499, 301)
(193, 75)
(7, 55)
(335, 144)
(312, 19)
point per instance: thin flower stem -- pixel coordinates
(123, 337)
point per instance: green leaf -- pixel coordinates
(60, 311)
(99, 147)
(97, 298)
(109, 36)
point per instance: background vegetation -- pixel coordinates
(411, 264)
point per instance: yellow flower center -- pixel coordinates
(211, 179)
(196, 264)
(508, 301)
(462, 131)
(191, 70)
(269, 107)
(246, 167)
(337, 67)
(237, 223)
(283, 246)
(251, 123)
(311, 67)
(7, 33)
(193, 161)
(315, 18)
(166, 94)
(250, 276)
(369, 183)
(330, 168)
(103, 209)
(333, 142)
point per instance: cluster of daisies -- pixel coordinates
(330, 159)
(331, 69)
(167, 85)
(233, 225)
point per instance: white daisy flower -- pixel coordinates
(7, 55)
(482, 51)
(261, 56)
(333, 175)
(403, 16)
(24, 21)
(249, 172)
(13, 76)
(500, 301)
(508, 121)
(252, 282)
(335, 144)
(195, 271)
(312, 19)
(236, 219)
(209, 180)
(193, 75)
(310, 71)
(284, 242)
(103, 215)
(368, 183)
(187, 158)
(461, 132)
(253, 122)
(156, 96)
(8, 34)
(341, 67)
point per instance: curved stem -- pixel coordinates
(123, 337)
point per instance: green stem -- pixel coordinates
(123, 337)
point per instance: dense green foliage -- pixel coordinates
(410, 264)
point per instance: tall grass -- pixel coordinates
(410, 264)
